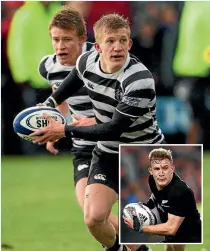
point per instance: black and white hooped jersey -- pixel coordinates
(129, 91)
(80, 103)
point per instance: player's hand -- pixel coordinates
(135, 224)
(128, 222)
(53, 132)
(82, 121)
(48, 102)
(50, 148)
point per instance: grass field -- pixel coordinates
(39, 209)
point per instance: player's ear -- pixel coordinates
(97, 46)
(130, 44)
(173, 168)
(83, 38)
(150, 170)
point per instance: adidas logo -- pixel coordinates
(143, 217)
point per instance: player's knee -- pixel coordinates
(94, 216)
(177, 247)
(168, 247)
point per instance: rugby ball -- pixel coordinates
(32, 119)
(143, 213)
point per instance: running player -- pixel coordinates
(174, 201)
(124, 101)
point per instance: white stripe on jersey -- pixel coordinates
(81, 143)
(100, 105)
(78, 100)
(130, 91)
(104, 119)
(79, 104)
(108, 146)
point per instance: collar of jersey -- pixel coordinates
(67, 67)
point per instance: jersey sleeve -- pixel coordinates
(42, 67)
(152, 184)
(151, 202)
(81, 63)
(139, 95)
(180, 202)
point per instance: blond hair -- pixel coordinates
(108, 23)
(69, 19)
(160, 154)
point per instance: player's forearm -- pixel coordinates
(95, 132)
(63, 108)
(69, 86)
(106, 131)
(159, 229)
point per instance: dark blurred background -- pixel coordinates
(171, 38)
(134, 179)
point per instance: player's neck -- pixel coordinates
(107, 70)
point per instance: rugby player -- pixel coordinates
(122, 92)
(174, 201)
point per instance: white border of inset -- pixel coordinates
(119, 206)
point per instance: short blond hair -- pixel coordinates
(69, 19)
(160, 154)
(110, 22)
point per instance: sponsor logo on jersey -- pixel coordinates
(165, 205)
(83, 166)
(131, 101)
(100, 177)
(91, 86)
(57, 84)
(118, 95)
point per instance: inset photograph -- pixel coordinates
(161, 193)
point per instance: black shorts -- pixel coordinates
(104, 169)
(81, 162)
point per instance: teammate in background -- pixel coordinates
(174, 201)
(68, 33)
(124, 101)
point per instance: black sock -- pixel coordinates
(116, 245)
(143, 248)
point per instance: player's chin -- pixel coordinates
(162, 182)
(120, 60)
(63, 61)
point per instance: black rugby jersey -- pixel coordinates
(79, 103)
(177, 198)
